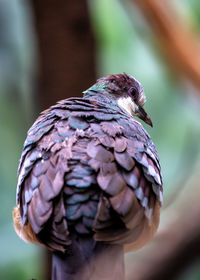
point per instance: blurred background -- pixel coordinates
(50, 50)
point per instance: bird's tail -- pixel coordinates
(87, 259)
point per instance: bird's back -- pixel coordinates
(91, 169)
(87, 171)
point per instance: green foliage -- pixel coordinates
(22, 269)
(190, 11)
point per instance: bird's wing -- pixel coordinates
(89, 168)
(41, 177)
(131, 180)
(55, 147)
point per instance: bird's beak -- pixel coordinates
(142, 114)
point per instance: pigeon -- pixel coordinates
(89, 181)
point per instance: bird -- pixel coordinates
(89, 180)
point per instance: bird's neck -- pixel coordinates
(99, 94)
(104, 98)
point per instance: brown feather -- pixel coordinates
(24, 232)
(125, 160)
(148, 231)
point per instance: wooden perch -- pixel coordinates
(177, 241)
(179, 44)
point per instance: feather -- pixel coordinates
(122, 202)
(111, 128)
(132, 177)
(106, 140)
(77, 123)
(99, 153)
(111, 183)
(124, 160)
(120, 144)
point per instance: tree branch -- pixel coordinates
(178, 43)
(66, 49)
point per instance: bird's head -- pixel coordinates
(127, 92)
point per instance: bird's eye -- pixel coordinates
(133, 92)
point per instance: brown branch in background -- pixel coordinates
(66, 49)
(177, 242)
(66, 55)
(179, 44)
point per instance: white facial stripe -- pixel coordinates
(127, 104)
(142, 99)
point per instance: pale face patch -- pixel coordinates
(127, 104)
(141, 99)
